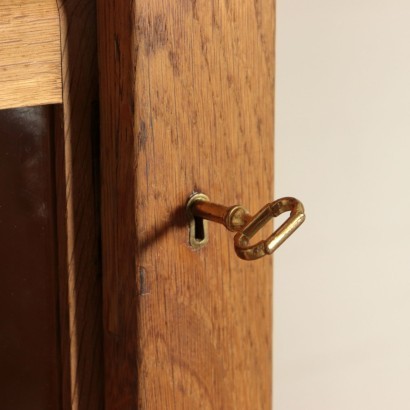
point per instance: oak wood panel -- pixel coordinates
(30, 57)
(77, 162)
(186, 104)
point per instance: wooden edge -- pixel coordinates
(77, 153)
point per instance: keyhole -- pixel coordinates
(199, 229)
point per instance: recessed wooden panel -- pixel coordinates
(30, 363)
(30, 57)
(186, 104)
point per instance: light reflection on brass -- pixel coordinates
(236, 218)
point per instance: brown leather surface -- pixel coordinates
(29, 342)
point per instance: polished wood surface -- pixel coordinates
(186, 94)
(77, 165)
(30, 57)
(30, 367)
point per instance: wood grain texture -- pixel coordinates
(77, 153)
(30, 57)
(186, 94)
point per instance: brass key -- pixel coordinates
(236, 218)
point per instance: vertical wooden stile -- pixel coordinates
(187, 102)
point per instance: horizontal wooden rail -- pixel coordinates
(30, 56)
